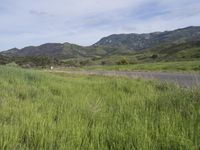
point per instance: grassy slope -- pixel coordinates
(45, 111)
(165, 52)
(171, 57)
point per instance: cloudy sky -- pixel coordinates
(34, 22)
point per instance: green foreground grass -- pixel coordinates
(157, 66)
(46, 111)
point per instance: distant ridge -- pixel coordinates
(113, 44)
(139, 42)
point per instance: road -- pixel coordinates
(182, 79)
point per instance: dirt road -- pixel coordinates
(182, 79)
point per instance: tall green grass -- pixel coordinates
(45, 111)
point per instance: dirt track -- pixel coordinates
(182, 79)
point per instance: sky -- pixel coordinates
(84, 22)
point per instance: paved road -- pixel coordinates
(182, 79)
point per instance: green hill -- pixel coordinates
(186, 51)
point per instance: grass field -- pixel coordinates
(157, 66)
(46, 111)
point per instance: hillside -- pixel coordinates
(139, 42)
(178, 51)
(63, 51)
(111, 45)
(164, 52)
(50, 49)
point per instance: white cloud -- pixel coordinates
(33, 22)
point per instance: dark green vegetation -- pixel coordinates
(45, 111)
(28, 62)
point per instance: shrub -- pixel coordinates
(123, 62)
(12, 64)
(154, 56)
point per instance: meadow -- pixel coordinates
(56, 111)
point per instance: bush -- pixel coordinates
(85, 62)
(123, 62)
(4, 60)
(133, 61)
(12, 64)
(154, 56)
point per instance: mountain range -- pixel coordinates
(111, 45)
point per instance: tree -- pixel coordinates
(124, 61)
(154, 56)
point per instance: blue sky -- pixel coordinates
(34, 22)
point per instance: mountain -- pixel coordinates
(137, 42)
(116, 44)
(49, 49)
(64, 51)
